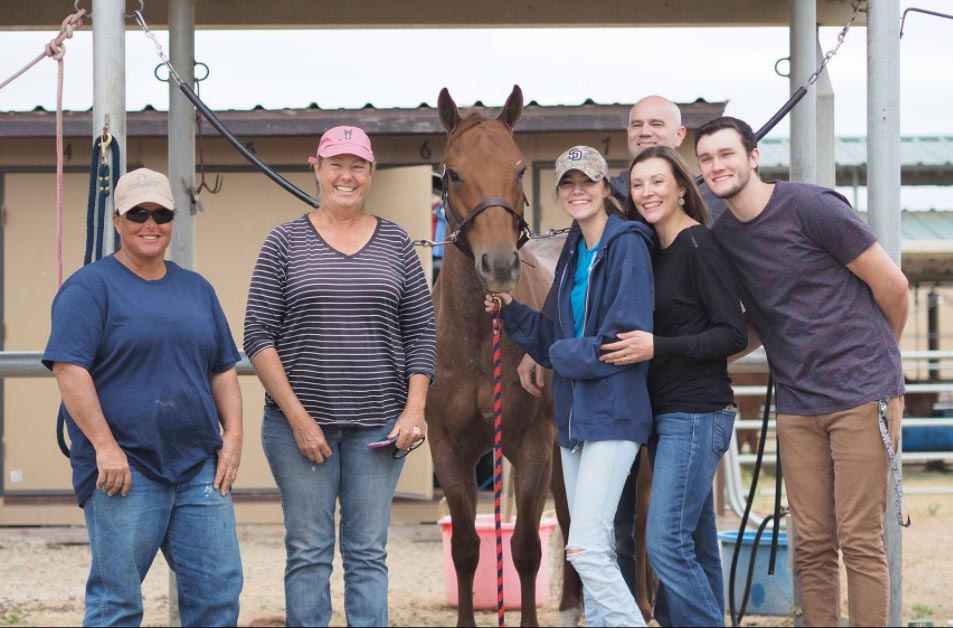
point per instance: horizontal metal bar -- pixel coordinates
(28, 364)
(757, 360)
(926, 490)
(908, 421)
(908, 490)
(927, 355)
(22, 364)
(907, 456)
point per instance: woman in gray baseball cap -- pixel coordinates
(602, 410)
(145, 363)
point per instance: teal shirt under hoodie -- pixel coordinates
(595, 400)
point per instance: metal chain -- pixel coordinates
(159, 51)
(452, 238)
(840, 40)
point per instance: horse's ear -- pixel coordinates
(513, 109)
(447, 110)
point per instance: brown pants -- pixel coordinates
(835, 469)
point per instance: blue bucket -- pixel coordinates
(931, 438)
(770, 595)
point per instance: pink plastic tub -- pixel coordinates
(484, 581)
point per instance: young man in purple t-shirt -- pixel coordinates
(829, 305)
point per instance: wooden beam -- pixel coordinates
(310, 14)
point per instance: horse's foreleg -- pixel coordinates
(570, 603)
(530, 475)
(458, 481)
(645, 577)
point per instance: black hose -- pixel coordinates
(250, 156)
(773, 120)
(751, 560)
(783, 111)
(736, 617)
(776, 531)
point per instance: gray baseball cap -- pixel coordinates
(586, 160)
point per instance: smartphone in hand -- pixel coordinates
(382, 443)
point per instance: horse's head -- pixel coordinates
(484, 188)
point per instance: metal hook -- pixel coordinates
(203, 184)
(917, 10)
(200, 144)
(141, 8)
(207, 72)
(779, 62)
(89, 13)
(155, 73)
(197, 80)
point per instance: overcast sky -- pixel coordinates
(404, 68)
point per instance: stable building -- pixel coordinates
(238, 206)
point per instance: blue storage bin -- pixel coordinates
(770, 595)
(937, 438)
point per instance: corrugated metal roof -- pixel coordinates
(852, 151)
(928, 225)
(313, 120)
(924, 226)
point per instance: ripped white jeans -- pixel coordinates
(595, 474)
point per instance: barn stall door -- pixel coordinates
(403, 195)
(229, 235)
(32, 463)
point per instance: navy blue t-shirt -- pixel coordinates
(151, 348)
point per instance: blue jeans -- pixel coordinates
(594, 474)
(681, 534)
(624, 525)
(364, 481)
(191, 523)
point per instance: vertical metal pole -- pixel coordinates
(826, 172)
(883, 201)
(182, 130)
(855, 182)
(803, 53)
(109, 88)
(181, 167)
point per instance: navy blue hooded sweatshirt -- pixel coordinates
(595, 400)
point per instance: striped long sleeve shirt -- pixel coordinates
(349, 329)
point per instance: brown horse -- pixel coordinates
(484, 170)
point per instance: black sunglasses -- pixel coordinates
(400, 453)
(141, 215)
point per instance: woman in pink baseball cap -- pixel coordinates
(340, 328)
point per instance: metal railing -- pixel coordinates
(757, 362)
(28, 364)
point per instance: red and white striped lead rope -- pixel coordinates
(498, 455)
(55, 50)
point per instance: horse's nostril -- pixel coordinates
(485, 263)
(516, 261)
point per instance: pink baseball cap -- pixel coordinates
(344, 140)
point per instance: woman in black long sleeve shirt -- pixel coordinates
(698, 324)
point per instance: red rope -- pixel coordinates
(55, 46)
(55, 50)
(498, 458)
(59, 166)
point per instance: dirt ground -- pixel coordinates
(43, 570)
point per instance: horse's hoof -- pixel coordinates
(570, 617)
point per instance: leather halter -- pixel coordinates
(458, 226)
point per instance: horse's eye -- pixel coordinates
(453, 175)
(522, 172)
